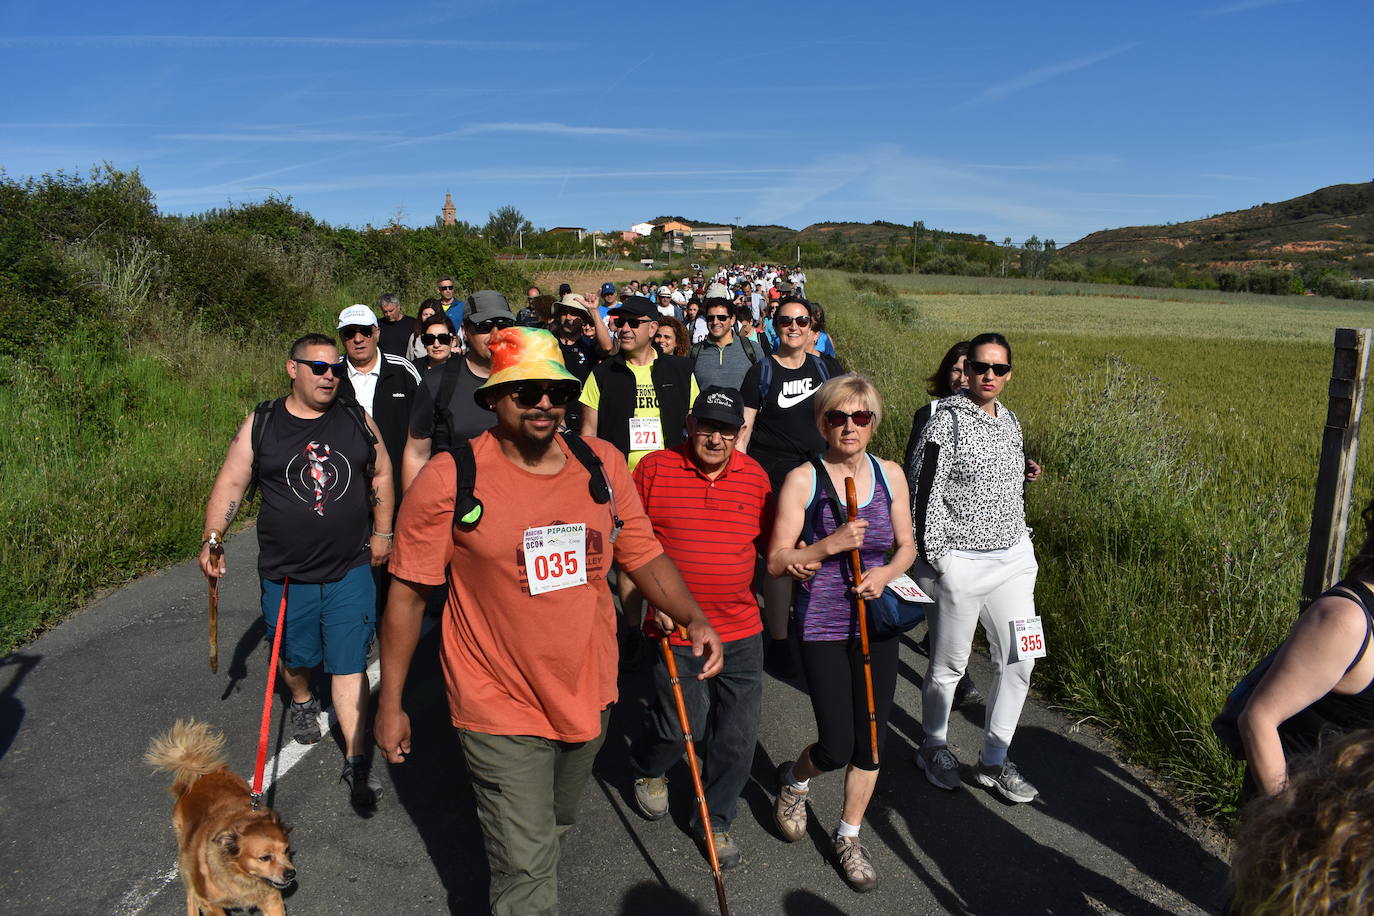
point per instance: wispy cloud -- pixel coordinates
(283, 136)
(1043, 74)
(556, 129)
(293, 41)
(1244, 6)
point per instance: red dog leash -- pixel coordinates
(261, 765)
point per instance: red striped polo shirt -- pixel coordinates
(711, 529)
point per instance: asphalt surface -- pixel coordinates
(85, 826)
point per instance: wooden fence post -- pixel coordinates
(1336, 471)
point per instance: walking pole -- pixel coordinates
(856, 566)
(215, 548)
(261, 763)
(707, 829)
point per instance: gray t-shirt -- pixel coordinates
(466, 417)
(723, 366)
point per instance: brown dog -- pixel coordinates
(230, 855)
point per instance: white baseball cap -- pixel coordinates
(357, 315)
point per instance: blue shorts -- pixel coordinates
(330, 622)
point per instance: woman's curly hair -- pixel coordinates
(1310, 848)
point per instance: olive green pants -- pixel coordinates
(527, 791)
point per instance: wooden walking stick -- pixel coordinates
(215, 548)
(707, 830)
(856, 566)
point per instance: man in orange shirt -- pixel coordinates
(529, 636)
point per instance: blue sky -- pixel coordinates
(1001, 118)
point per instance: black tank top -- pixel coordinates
(1336, 713)
(315, 517)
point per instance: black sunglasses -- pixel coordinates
(430, 340)
(348, 332)
(715, 318)
(319, 367)
(837, 417)
(629, 322)
(492, 324)
(529, 394)
(784, 321)
(449, 286)
(977, 367)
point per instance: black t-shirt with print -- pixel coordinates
(315, 519)
(785, 433)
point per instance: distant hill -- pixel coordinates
(1334, 226)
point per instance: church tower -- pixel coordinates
(450, 211)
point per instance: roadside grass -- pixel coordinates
(1179, 433)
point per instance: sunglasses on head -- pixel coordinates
(348, 333)
(980, 368)
(529, 394)
(802, 321)
(430, 340)
(836, 418)
(628, 322)
(319, 367)
(492, 324)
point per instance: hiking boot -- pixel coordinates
(965, 693)
(305, 721)
(727, 853)
(1006, 779)
(790, 808)
(854, 864)
(923, 647)
(651, 797)
(364, 788)
(940, 765)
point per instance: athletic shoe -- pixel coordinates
(651, 797)
(965, 693)
(727, 853)
(940, 765)
(790, 808)
(1006, 779)
(305, 721)
(923, 647)
(364, 788)
(854, 864)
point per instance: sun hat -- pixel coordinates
(574, 303)
(524, 355)
(357, 315)
(486, 304)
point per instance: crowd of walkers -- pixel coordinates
(568, 483)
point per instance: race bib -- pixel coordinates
(646, 434)
(903, 587)
(1027, 639)
(555, 557)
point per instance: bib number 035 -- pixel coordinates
(555, 557)
(1027, 639)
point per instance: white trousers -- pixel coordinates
(969, 591)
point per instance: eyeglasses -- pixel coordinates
(981, 368)
(430, 340)
(784, 321)
(713, 319)
(837, 418)
(529, 394)
(449, 286)
(629, 322)
(706, 429)
(320, 367)
(352, 330)
(492, 324)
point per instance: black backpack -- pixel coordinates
(262, 416)
(468, 509)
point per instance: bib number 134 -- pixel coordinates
(1027, 639)
(555, 557)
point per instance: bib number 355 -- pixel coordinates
(555, 557)
(1027, 639)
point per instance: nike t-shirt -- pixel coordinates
(785, 433)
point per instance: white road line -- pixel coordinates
(138, 897)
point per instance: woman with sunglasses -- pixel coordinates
(439, 340)
(977, 562)
(780, 433)
(847, 412)
(415, 348)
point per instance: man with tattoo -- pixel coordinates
(323, 522)
(528, 639)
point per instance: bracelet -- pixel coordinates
(388, 535)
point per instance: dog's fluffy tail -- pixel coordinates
(188, 750)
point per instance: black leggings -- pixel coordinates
(835, 679)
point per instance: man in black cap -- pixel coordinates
(445, 409)
(708, 504)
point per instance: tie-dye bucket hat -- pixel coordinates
(524, 355)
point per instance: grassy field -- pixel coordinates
(1179, 432)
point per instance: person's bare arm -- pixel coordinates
(382, 500)
(904, 542)
(785, 550)
(603, 333)
(413, 458)
(747, 430)
(226, 496)
(588, 420)
(661, 585)
(405, 608)
(1313, 659)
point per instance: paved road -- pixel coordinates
(85, 826)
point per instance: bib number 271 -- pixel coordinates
(555, 557)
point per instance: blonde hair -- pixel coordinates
(851, 387)
(1310, 848)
